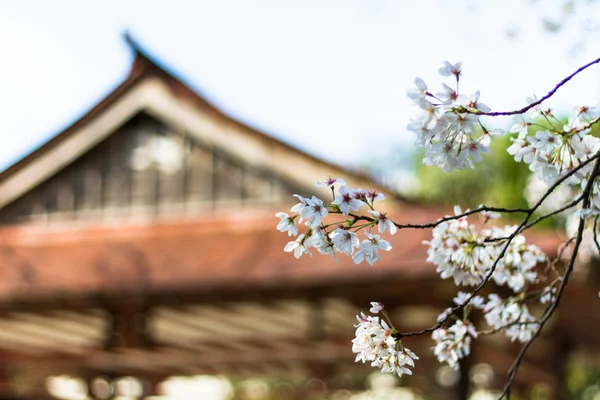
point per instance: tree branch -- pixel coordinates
(541, 100)
(512, 372)
(509, 240)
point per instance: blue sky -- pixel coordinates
(329, 76)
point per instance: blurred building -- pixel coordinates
(139, 245)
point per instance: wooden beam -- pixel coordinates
(88, 330)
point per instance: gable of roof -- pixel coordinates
(153, 89)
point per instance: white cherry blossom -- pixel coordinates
(298, 247)
(512, 314)
(453, 344)
(466, 254)
(369, 249)
(344, 241)
(319, 241)
(330, 182)
(286, 224)
(476, 301)
(447, 95)
(472, 102)
(383, 222)
(302, 202)
(420, 91)
(376, 306)
(451, 69)
(521, 150)
(519, 126)
(450, 128)
(374, 194)
(374, 342)
(544, 141)
(587, 111)
(313, 211)
(346, 201)
(548, 295)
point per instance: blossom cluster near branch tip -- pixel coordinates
(449, 126)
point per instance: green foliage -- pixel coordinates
(498, 180)
(582, 382)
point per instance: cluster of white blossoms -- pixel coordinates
(447, 126)
(454, 343)
(450, 129)
(467, 254)
(458, 249)
(376, 342)
(555, 147)
(512, 314)
(339, 236)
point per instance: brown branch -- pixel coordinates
(501, 328)
(507, 244)
(357, 217)
(535, 103)
(596, 234)
(466, 213)
(528, 211)
(552, 265)
(586, 126)
(548, 193)
(512, 372)
(552, 213)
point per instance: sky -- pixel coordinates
(327, 76)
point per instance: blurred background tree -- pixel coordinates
(499, 181)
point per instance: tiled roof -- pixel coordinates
(236, 250)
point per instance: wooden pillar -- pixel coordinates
(8, 371)
(463, 387)
(560, 360)
(319, 382)
(316, 322)
(320, 373)
(128, 326)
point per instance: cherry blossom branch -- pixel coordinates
(509, 239)
(462, 215)
(503, 327)
(552, 265)
(548, 192)
(483, 208)
(447, 129)
(550, 310)
(538, 102)
(571, 204)
(554, 212)
(596, 233)
(479, 209)
(484, 282)
(587, 126)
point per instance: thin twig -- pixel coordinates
(479, 209)
(552, 265)
(528, 211)
(501, 328)
(512, 372)
(548, 193)
(509, 239)
(552, 213)
(586, 126)
(535, 103)
(596, 234)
